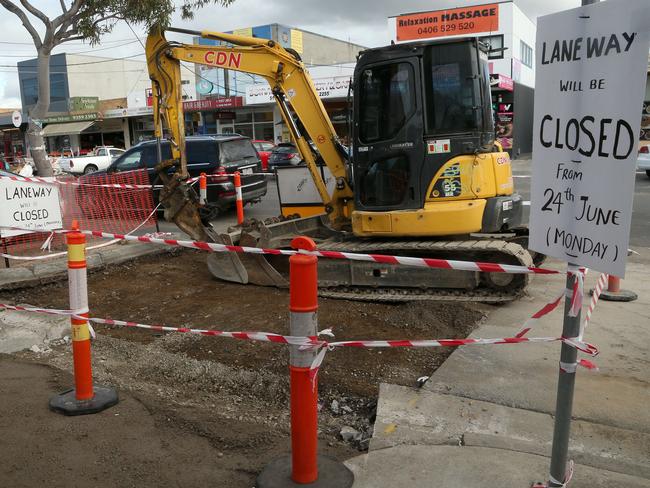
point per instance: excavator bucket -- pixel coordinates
(264, 270)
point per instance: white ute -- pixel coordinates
(101, 158)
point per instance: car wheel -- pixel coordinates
(647, 172)
(91, 168)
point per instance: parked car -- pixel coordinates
(643, 162)
(284, 154)
(264, 149)
(100, 159)
(205, 154)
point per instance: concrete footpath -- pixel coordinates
(486, 415)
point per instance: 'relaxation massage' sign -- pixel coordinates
(589, 84)
(31, 206)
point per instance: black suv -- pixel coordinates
(205, 154)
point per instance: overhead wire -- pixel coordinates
(32, 55)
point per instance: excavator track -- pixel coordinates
(489, 250)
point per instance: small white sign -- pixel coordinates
(328, 87)
(16, 118)
(439, 146)
(32, 206)
(591, 65)
(296, 186)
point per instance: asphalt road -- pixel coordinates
(640, 231)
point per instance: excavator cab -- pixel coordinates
(423, 134)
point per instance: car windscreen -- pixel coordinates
(237, 150)
(284, 149)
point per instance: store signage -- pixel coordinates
(127, 112)
(589, 84)
(330, 87)
(31, 206)
(69, 118)
(257, 94)
(16, 118)
(212, 104)
(450, 22)
(502, 81)
(83, 104)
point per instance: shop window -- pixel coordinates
(243, 116)
(57, 87)
(264, 131)
(526, 54)
(263, 116)
(495, 44)
(244, 130)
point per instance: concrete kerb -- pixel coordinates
(469, 467)
(406, 417)
(42, 272)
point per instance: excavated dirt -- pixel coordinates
(229, 395)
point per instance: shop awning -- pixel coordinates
(67, 129)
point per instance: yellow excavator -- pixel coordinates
(424, 176)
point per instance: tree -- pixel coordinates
(84, 20)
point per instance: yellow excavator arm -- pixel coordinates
(292, 88)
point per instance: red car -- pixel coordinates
(264, 149)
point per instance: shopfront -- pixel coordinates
(227, 115)
(333, 92)
(12, 136)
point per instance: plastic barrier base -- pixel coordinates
(331, 474)
(67, 403)
(618, 296)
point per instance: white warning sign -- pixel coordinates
(32, 206)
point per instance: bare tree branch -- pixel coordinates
(14, 9)
(68, 16)
(35, 12)
(63, 7)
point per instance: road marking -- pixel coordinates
(521, 176)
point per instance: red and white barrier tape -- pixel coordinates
(598, 289)
(377, 258)
(215, 176)
(63, 253)
(578, 288)
(312, 341)
(47, 181)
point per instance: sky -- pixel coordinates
(362, 21)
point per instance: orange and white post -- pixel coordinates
(239, 200)
(84, 398)
(304, 466)
(203, 189)
(303, 322)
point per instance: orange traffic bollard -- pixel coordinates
(203, 189)
(84, 398)
(304, 466)
(240, 201)
(614, 292)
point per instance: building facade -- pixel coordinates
(94, 101)
(510, 36)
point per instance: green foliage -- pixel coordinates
(97, 17)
